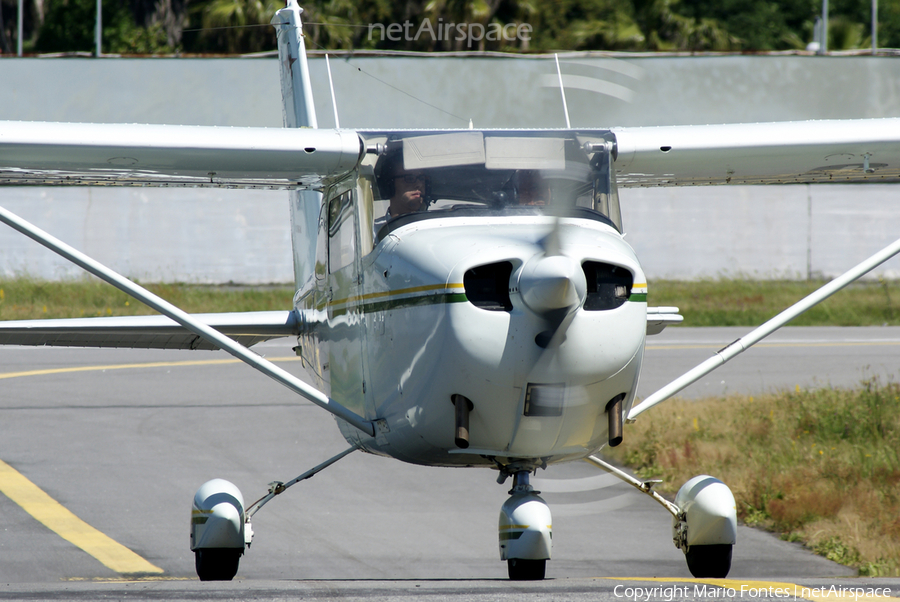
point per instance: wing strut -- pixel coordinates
(200, 329)
(745, 342)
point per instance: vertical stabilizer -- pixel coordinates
(296, 92)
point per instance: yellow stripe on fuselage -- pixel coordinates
(398, 292)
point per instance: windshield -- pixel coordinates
(423, 175)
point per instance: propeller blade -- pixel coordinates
(555, 332)
(552, 243)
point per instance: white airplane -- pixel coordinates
(463, 297)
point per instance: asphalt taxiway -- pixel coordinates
(123, 438)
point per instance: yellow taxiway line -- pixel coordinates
(61, 521)
(135, 366)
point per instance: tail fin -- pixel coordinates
(296, 91)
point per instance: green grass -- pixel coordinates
(821, 467)
(738, 302)
(25, 298)
(704, 303)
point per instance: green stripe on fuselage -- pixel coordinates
(377, 306)
(422, 300)
(507, 535)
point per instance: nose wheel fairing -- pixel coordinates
(525, 531)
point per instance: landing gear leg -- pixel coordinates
(525, 531)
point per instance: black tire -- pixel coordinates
(713, 561)
(526, 570)
(217, 564)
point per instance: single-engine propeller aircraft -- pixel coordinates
(463, 297)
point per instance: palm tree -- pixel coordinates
(241, 25)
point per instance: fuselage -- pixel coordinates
(534, 318)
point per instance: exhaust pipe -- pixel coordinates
(463, 407)
(614, 413)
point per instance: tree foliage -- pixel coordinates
(242, 26)
(68, 26)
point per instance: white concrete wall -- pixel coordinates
(435, 91)
(200, 235)
(792, 232)
(193, 235)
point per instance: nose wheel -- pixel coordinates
(525, 531)
(521, 569)
(217, 564)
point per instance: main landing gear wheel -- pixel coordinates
(217, 564)
(526, 570)
(712, 561)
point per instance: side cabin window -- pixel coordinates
(341, 231)
(366, 207)
(605, 192)
(321, 269)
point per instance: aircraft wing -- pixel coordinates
(760, 153)
(170, 155)
(660, 317)
(148, 332)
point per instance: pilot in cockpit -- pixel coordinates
(531, 188)
(406, 189)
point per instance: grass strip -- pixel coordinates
(821, 466)
(740, 302)
(724, 302)
(28, 299)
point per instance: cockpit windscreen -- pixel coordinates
(424, 175)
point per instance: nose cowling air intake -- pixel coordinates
(549, 284)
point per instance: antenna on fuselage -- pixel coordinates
(562, 91)
(337, 122)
